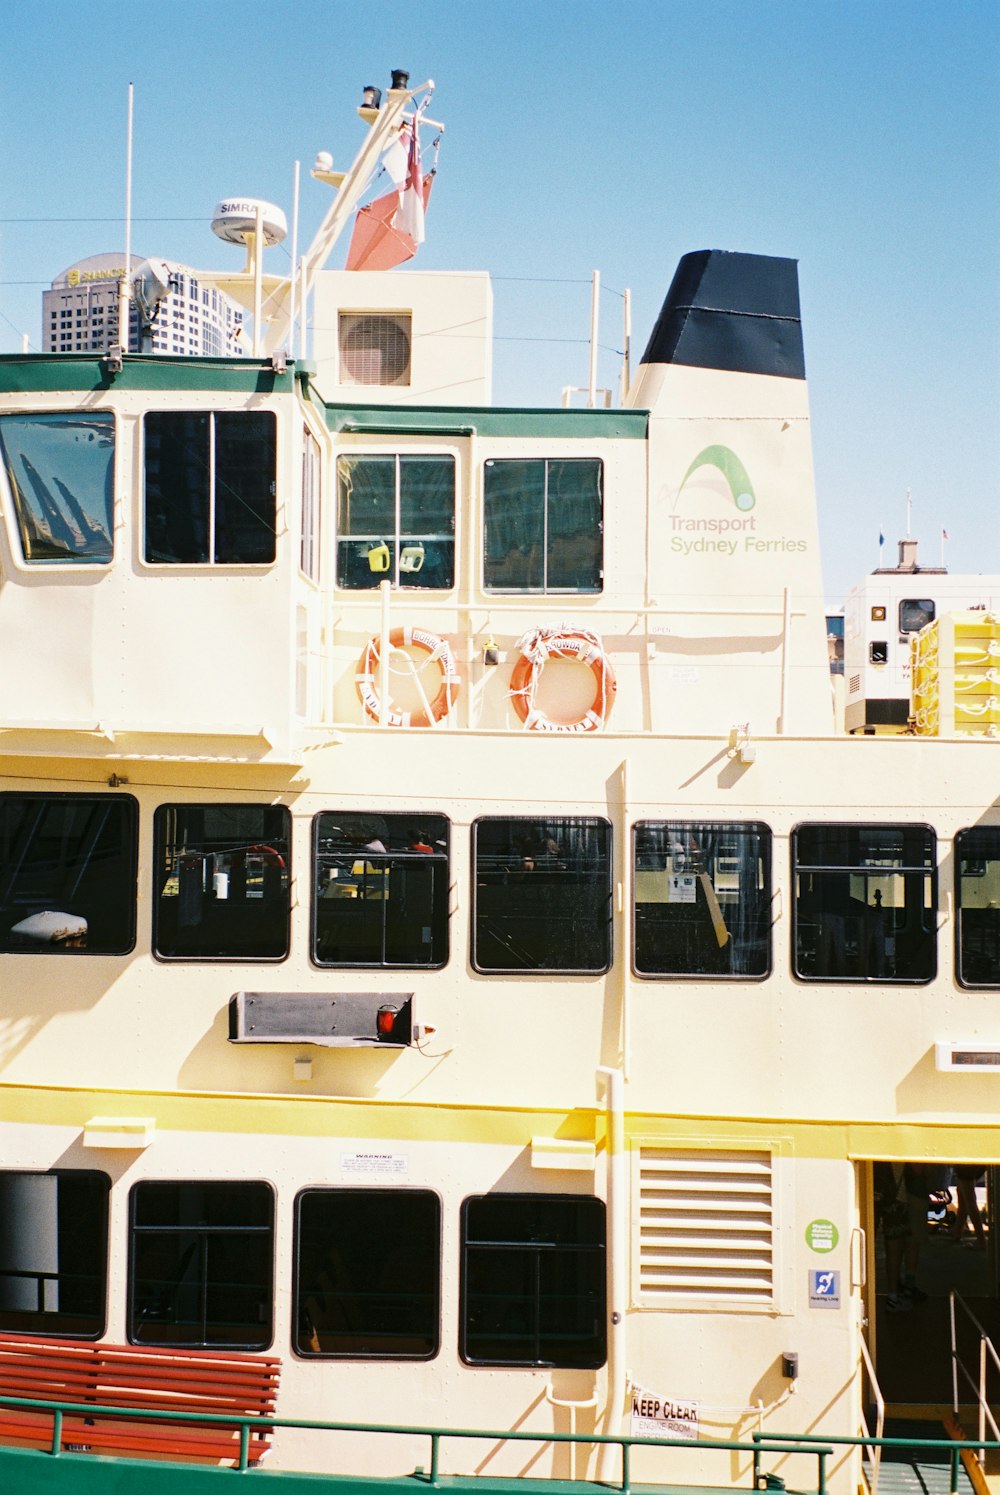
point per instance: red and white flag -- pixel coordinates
(410, 218)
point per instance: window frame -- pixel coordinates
(298, 1307)
(545, 590)
(101, 1255)
(970, 833)
(397, 540)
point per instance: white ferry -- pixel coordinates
(454, 974)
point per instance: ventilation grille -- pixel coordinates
(854, 685)
(705, 1227)
(374, 349)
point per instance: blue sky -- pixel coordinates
(862, 139)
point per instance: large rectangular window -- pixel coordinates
(54, 1252)
(544, 520)
(202, 1266)
(61, 471)
(221, 882)
(68, 873)
(210, 487)
(865, 903)
(542, 894)
(367, 1279)
(396, 522)
(977, 877)
(533, 1281)
(702, 898)
(381, 886)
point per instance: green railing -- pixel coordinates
(800, 1442)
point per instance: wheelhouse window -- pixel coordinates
(865, 903)
(915, 613)
(67, 873)
(367, 1278)
(210, 487)
(221, 882)
(544, 522)
(61, 472)
(381, 890)
(702, 893)
(977, 871)
(533, 1281)
(542, 894)
(54, 1252)
(201, 1271)
(396, 522)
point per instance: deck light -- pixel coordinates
(371, 97)
(385, 1020)
(399, 78)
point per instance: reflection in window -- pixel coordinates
(533, 1280)
(915, 613)
(210, 487)
(702, 898)
(396, 521)
(865, 902)
(221, 882)
(53, 1252)
(67, 873)
(381, 885)
(544, 525)
(543, 894)
(977, 861)
(367, 1273)
(201, 1264)
(61, 470)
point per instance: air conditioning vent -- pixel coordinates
(706, 1227)
(854, 685)
(374, 349)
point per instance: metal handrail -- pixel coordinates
(797, 1442)
(874, 1449)
(985, 1346)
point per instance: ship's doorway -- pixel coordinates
(921, 1248)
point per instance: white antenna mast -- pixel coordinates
(125, 285)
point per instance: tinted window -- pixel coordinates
(542, 894)
(210, 487)
(533, 1280)
(915, 613)
(61, 470)
(381, 890)
(544, 525)
(53, 1252)
(702, 898)
(865, 902)
(367, 1273)
(67, 873)
(221, 882)
(977, 875)
(396, 521)
(202, 1264)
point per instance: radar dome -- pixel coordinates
(235, 220)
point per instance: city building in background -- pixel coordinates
(80, 312)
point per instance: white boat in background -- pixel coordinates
(447, 946)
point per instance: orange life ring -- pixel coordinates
(561, 643)
(438, 651)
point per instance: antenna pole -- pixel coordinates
(258, 280)
(627, 354)
(125, 284)
(295, 262)
(909, 514)
(592, 377)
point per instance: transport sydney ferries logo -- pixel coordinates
(722, 471)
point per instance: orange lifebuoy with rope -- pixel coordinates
(438, 652)
(542, 644)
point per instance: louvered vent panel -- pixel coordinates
(374, 349)
(706, 1226)
(854, 685)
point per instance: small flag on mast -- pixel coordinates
(410, 218)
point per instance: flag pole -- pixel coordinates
(881, 543)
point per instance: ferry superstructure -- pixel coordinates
(445, 943)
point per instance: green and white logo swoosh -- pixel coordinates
(732, 469)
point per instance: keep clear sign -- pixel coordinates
(663, 1416)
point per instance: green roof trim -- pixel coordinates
(50, 373)
(485, 420)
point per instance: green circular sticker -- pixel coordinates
(822, 1235)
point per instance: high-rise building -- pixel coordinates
(80, 312)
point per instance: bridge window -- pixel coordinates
(367, 1281)
(210, 487)
(977, 862)
(201, 1271)
(221, 882)
(67, 873)
(702, 894)
(865, 903)
(381, 890)
(542, 894)
(61, 472)
(396, 522)
(533, 1281)
(544, 523)
(915, 613)
(54, 1252)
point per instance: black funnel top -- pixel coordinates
(738, 312)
